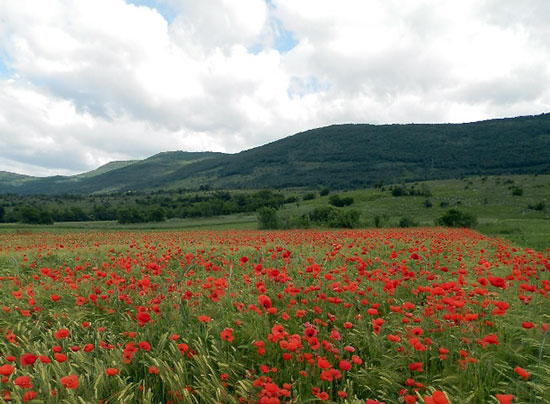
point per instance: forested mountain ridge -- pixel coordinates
(338, 156)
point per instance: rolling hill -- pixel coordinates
(339, 156)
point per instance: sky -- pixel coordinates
(85, 82)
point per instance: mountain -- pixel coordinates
(112, 177)
(338, 156)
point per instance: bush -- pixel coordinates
(537, 206)
(336, 200)
(517, 191)
(407, 222)
(456, 218)
(157, 215)
(30, 215)
(324, 192)
(399, 191)
(130, 215)
(267, 218)
(323, 215)
(309, 196)
(347, 219)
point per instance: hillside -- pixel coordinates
(339, 156)
(139, 174)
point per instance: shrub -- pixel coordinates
(309, 196)
(400, 190)
(324, 191)
(517, 191)
(456, 218)
(337, 200)
(541, 205)
(323, 215)
(157, 215)
(407, 222)
(347, 218)
(267, 218)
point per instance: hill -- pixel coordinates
(113, 177)
(348, 156)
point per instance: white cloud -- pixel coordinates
(88, 81)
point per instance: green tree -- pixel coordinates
(456, 218)
(267, 218)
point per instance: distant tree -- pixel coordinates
(267, 218)
(324, 191)
(400, 190)
(347, 218)
(157, 215)
(337, 200)
(2, 213)
(406, 221)
(309, 196)
(129, 215)
(456, 218)
(323, 215)
(541, 205)
(30, 215)
(516, 191)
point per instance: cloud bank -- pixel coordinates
(84, 82)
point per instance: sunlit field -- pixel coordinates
(425, 315)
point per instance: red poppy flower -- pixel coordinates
(69, 382)
(23, 381)
(29, 396)
(504, 398)
(111, 371)
(143, 317)
(28, 359)
(144, 346)
(522, 372)
(6, 370)
(438, 397)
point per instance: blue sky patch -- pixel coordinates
(5, 71)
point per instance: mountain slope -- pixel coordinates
(338, 156)
(350, 156)
(124, 176)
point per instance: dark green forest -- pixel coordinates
(349, 156)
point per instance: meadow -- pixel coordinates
(418, 315)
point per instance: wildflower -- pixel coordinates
(504, 398)
(69, 382)
(143, 318)
(28, 359)
(29, 395)
(438, 397)
(111, 371)
(23, 381)
(522, 372)
(62, 333)
(6, 370)
(227, 335)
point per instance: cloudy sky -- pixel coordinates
(84, 82)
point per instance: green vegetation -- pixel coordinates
(455, 218)
(338, 157)
(525, 220)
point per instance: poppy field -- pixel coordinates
(424, 315)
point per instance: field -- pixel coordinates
(426, 315)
